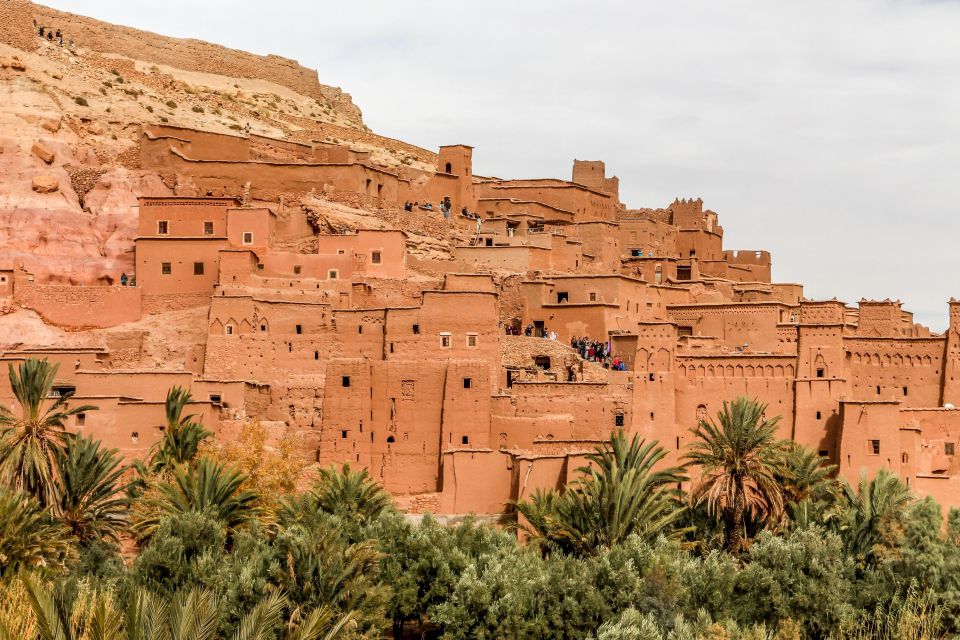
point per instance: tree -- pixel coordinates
(617, 495)
(187, 615)
(88, 498)
(352, 495)
(205, 487)
(874, 515)
(29, 537)
(30, 440)
(811, 490)
(740, 459)
(180, 444)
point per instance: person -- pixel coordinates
(59, 37)
(247, 128)
(42, 29)
(123, 279)
(528, 331)
(553, 335)
(50, 36)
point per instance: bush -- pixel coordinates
(171, 104)
(80, 100)
(197, 109)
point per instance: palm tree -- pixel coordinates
(874, 514)
(811, 489)
(188, 615)
(207, 486)
(617, 495)
(30, 441)
(88, 498)
(29, 537)
(740, 459)
(350, 494)
(182, 434)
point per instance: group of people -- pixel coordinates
(444, 207)
(597, 351)
(53, 36)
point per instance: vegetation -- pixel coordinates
(219, 543)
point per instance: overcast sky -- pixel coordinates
(825, 131)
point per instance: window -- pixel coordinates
(949, 448)
(216, 398)
(878, 389)
(651, 377)
(467, 383)
(375, 257)
(636, 253)
(416, 329)
(259, 266)
(333, 274)
(299, 329)
(208, 228)
(875, 447)
(163, 227)
(247, 237)
(228, 329)
(824, 453)
(165, 268)
(263, 327)
(296, 269)
(563, 296)
(444, 340)
(542, 362)
(81, 419)
(905, 391)
(134, 436)
(316, 355)
(343, 433)
(593, 296)
(618, 420)
(684, 273)
(820, 372)
(391, 439)
(471, 340)
(345, 381)
(818, 415)
(448, 168)
(684, 331)
(198, 268)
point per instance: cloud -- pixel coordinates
(823, 131)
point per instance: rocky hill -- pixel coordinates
(70, 125)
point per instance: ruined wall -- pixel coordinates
(79, 307)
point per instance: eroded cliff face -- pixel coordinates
(70, 126)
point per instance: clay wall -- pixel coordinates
(585, 203)
(869, 438)
(907, 370)
(175, 266)
(79, 306)
(250, 227)
(476, 481)
(652, 237)
(735, 325)
(601, 241)
(593, 174)
(184, 217)
(880, 319)
(514, 207)
(380, 254)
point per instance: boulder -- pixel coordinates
(43, 152)
(45, 184)
(51, 124)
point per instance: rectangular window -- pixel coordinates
(684, 273)
(343, 434)
(618, 420)
(563, 296)
(416, 329)
(198, 268)
(333, 274)
(216, 398)
(165, 268)
(208, 228)
(467, 383)
(471, 340)
(345, 381)
(296, 269)
(949, 448)
(465, 440)
(444, 340)
(299, 329)
(375, 257)
(81, 419)
(163, 227)
(247, 237)
(820, 373)
(875, 447)
(593, 297)
(684, 331)
(818, 415)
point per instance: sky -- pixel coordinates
(824, 131)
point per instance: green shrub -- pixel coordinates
(80, 100)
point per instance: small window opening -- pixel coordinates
(375, 257)
(467, 383)
(297, 269)
(563, 296)
(949, 448)
(216, 399)
(471, 340)
(333, 274)
(391, 440)
(208, 228)
(823, 453)
(81, 419)
(343, 433)
(299, 329)
(165, 268)
(465, 440)
(818, 415)
(878, 389)
(134, 436)
(198, 268)
(163, 227)
(905, 391)
(316, 355)
(247, 237)
(345, 381)
(820, 372)
(448, 168)
(444, 340)
(651, 377)
(593, 296)
(875, 447)
(618, 420)
(416, 329)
